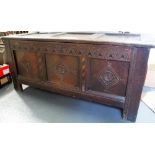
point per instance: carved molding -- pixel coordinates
(83, 72)
(83, 69)
(111, 53)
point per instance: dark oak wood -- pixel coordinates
(82, 65)
(136, 81)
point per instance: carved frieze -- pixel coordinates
(101, 52)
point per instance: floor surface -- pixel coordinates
(38, 106)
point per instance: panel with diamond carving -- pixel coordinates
(107, 76)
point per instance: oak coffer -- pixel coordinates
(104, 67)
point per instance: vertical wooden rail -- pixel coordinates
(83, 73)
(13, 68)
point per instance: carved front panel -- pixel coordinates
(63, 71)
(107, 76)
(29, 64)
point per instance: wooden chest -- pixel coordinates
(100, 67)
